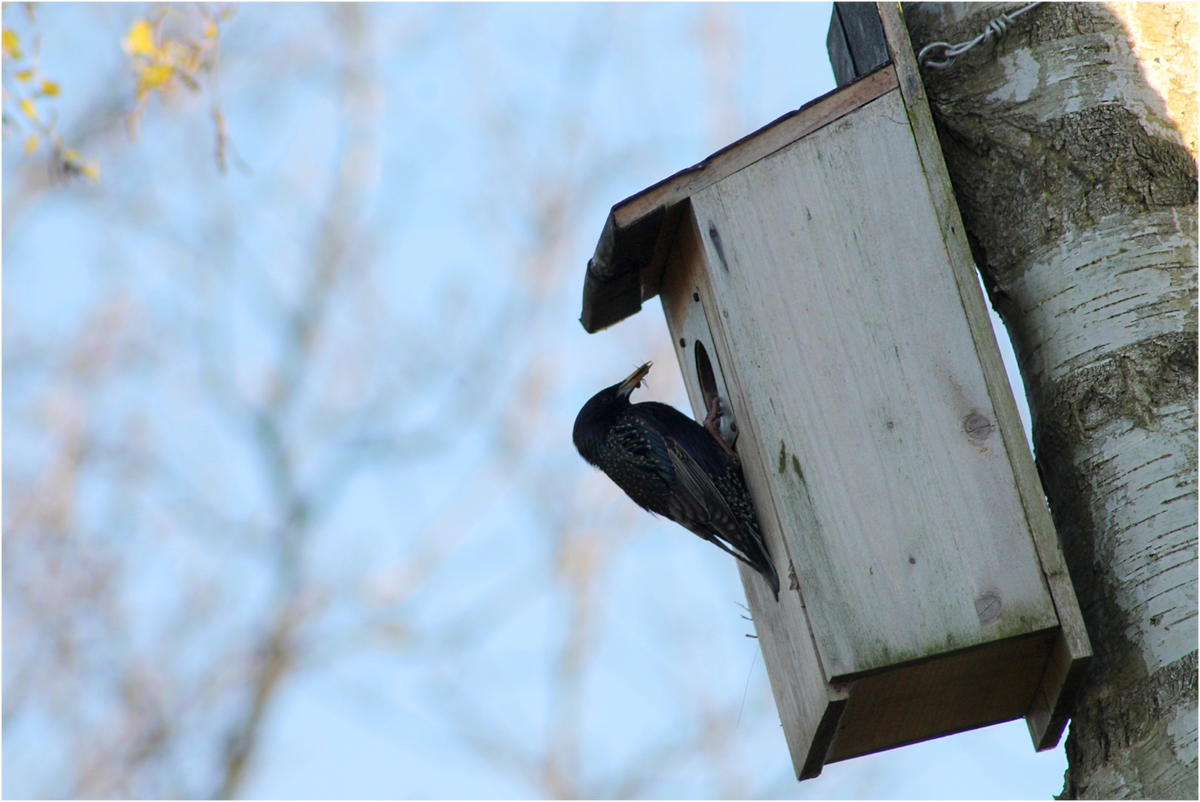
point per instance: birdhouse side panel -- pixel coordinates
(808, 708)
(845, 339)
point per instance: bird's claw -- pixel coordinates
(720, 424)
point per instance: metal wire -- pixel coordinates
(995, 29)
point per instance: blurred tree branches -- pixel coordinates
(264, 424)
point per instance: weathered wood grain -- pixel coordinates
(844, 331)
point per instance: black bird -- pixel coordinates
(674, 467)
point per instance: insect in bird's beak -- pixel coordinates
(634, 379)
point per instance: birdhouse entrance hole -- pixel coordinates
(704, 372)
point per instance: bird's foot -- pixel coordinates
(720, 424)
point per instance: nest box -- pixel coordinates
(816, 275)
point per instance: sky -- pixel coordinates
(474, 126)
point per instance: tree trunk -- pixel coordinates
(1071, 144)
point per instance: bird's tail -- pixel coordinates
(757, 557)
(767, 569)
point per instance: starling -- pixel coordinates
(674, 467)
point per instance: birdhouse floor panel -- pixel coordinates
(962, 691)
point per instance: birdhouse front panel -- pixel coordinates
(840, 325)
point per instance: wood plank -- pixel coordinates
(839, 50)
(956, 692)
(1049, 709)
(846, 348)
(855, 42)
(808, 709)
(1076, 644)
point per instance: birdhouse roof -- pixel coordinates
(626, 268)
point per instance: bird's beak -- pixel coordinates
(633, 380)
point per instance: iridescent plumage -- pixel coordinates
(674, 467)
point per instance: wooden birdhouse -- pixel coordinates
(816, 275)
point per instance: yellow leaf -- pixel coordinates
(91, 170)
(11, 44)
(210, 30)
(23, 75)
(49, 88)
(153, 76)
(140, 39)
(27, 106)
(31, 144)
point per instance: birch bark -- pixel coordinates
(1071, 145)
